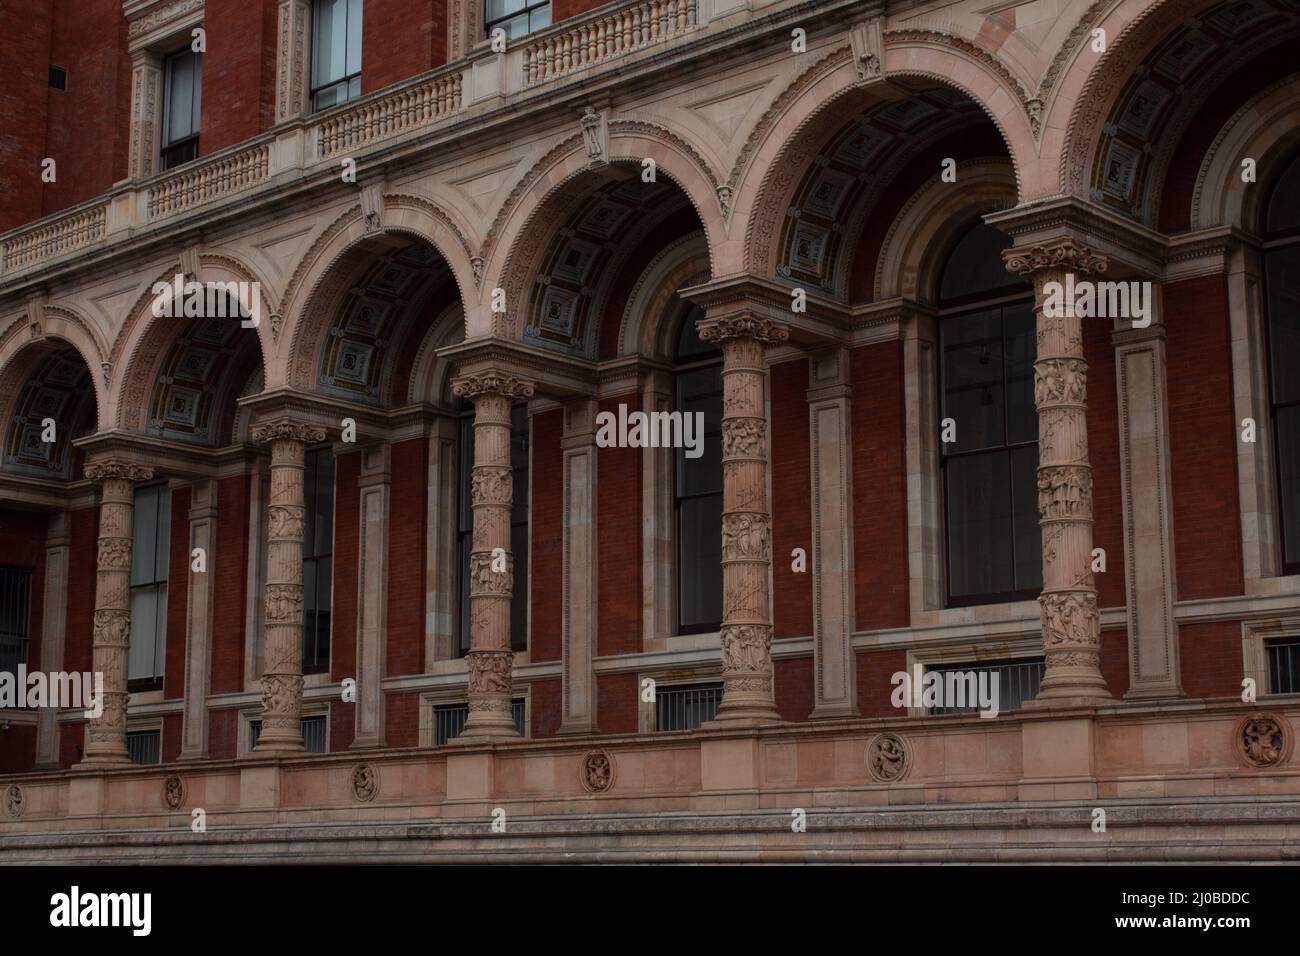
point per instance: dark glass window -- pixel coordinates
(518, 526)
(317, 559)
(335, 53)
(989, 474)
(1282, 285)
(517, 18)
(150, 547)
(697, 491)
(144, 746)
(183, 77)
(1017, 682)
(15, 617)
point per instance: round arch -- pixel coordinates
(645, 326)
(60, 324)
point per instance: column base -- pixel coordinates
(280, 745)
(489, 725)
(745, 714)
(103, 761)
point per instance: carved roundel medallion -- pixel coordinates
(598, 771)
(365, 782)
(888, 758)
(15, 801)
(1262, 740)
(173, 792)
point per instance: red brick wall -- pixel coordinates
(792, 598)
(879, 486)
(545, 708)
(546, 537)
(25, 33)
(223, 728)
(178, 596)
(229, 604)
(238, 72)
(401, 39)
(343, 725)
(343, 610)
(563, 9)
(172, 730)
(793, 685)
(1211, 659)
(23, 534)
(17, 748)
(617, 703)
(87, 127)
(1203, 438)
(82, 549)
(875, 668)
(618, 546)
(1103, 452)
(72, 743)
(401, 721)
(406, 555)
(1114, 661)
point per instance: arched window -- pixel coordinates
(519, 459)
(989, 468)
(1282, 290)
(697, 483)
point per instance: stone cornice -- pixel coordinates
(823, 321)
(550, 373)
(1128, 246)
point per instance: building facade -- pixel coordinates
(350, 545)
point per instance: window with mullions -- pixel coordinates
(183, 85)
(150, 546)
(986, 381)
(15, 617)
(317, 559)
(335, 53)
(1282, 291)
(518, 526)
(517, 18)
(697, 484)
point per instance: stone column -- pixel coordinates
(374, 484)
(54, 620)
(490, 659)
(579, 629)
(1070, 622)
(146, 106)
(746, 635)
(106, 734)
(283, 616)
(198, 623)
(292, 60)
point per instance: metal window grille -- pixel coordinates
(144, 746)
(1283, 665)
(15, 616)
(687, 706)
(313, 733)
(1017, 682)
(449, 720)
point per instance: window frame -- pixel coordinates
(161, 586)
(313, 90)
(23, 641)
(314, 560)
(167, 147)
(528, 9)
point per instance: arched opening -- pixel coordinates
(54, 404)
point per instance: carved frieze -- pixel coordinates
(744, 438)
(285, 429)
(114, 554)
(284, 604)
(746, 647)
(1063, 256)
(1070, 618)
(1059, 381)
(746, 535)
(491, 383)
(285, 522)
(118, 471)
(281, 698)
(490, 671)
(112, 626)
(747, 327)
(484, 580)
(491, 485)
(1065, 491)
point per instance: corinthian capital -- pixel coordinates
(743, 327)
(119, 470)
(491, 382)
(285, 429)
(1063, 255)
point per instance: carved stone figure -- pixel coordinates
(887, 757)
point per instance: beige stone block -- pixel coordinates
(730, 763)
(259, 787)
(470, 776)
(85, 795)
(816, 761)
(1164, 744)
(780, 764)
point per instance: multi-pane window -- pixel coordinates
(686, 706)
(183, 73)
(989, 468)
(517, 18)
(313, 733)
(144, 746)
(697, 484)
(518, 526)
(449, 720)
(15, 617)
(1017, 682)
(151, 539)
(1282, 282)
(1283, 656)
(317, 559)
(335, 53)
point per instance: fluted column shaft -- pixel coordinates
(1071, 625)
(106, 734)
(283, 609)
(491, 563)
(746, 634)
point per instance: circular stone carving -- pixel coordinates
(1262, 740)
(15, 801)
(888, 758)
(365, 782)
(598, 771)
(173, 792)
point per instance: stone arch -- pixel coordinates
(431, 372)
(321, 277)
(139, 347)
(59, 324)
(783, 142)
(643, 328)
(513, 245)
(912, 255)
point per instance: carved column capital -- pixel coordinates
(491, 382)
(743, 327)
(117, 470)
(286, 429)
(1057, 255)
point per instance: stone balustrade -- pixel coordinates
(390, 115)
(629, 28)
(195, 185)
(54, 236)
